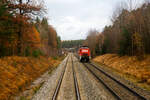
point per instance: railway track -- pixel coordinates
(56, 92)
(75, 82)
(118, 89)
(59, 82)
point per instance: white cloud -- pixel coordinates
(70, 27)
(63, 1)
(73, 18)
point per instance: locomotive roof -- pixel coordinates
(84, 47)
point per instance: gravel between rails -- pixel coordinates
(89, 86)
(48, 88)
(122, 92)
(140, 91)
(67, 89)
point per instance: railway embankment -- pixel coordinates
(127, 67)
(17, 73)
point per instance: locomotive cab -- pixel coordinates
(84, 54)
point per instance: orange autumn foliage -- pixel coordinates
(127, 65)
(32, 37)
(18, 72)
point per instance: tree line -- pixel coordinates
(24, 31)
(72, 43)
(129, 33)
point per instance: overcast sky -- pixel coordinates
(72, 19)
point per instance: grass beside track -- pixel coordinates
(16, 73)
(130, 68)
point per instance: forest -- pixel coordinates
(29, 45)
(129, 33)
(24, 31)
(72, 43)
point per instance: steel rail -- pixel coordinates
(107, 87)
(59, 82)
(112, 78)
(75, 82)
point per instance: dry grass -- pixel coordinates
(18, 72)
(139, 71)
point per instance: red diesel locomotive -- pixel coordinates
(84, 53)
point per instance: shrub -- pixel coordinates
(27, 51)
(55, 58)
(36, 53)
